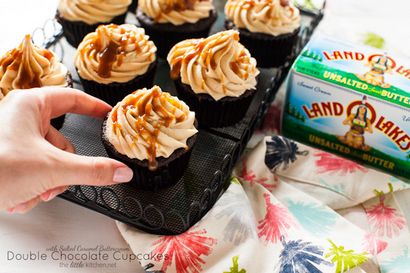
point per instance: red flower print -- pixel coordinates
(185, 250)
(272, 119)
(277, 220)
(384, 220)
(250, 176)
(331, 163)
(373, 245)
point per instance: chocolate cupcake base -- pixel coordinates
(115, 92)
(75, 31)
(166, 35)
(169, 171)
(268, 50)
(215, 113)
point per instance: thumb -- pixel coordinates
(75, 169)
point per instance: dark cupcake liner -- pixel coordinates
(165, 36)
(268, 50)
(133, 7)
(75, 31)
(170, 170)
(114, 92)
(212, 113)
(58, 122)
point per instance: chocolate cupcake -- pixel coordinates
(115, 60)
(153, 133)
(215, 76)
(268, 28)
(29, 66)
(80, 17)
(169, 22)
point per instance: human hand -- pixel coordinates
(37, 161)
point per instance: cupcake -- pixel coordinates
(29, 66)
(268, 28)
(153, 133)
(171, 21)
(215, 76)
(115, 60)
(80, 17)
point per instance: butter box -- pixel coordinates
(353, 101)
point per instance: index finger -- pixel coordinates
(60, 100)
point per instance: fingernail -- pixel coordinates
(10, 210)
(122, 174)
(21, 208)
(49, 195)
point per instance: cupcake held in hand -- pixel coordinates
(268, 28)
(80, 17)
(215, 76)
(115, 60)
(171, 21)
(29, 66)
(153, 133)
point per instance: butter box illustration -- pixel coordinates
(353, 101)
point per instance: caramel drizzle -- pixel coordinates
(203, 48)
(145, 103)
(18, 60)
(115, 51)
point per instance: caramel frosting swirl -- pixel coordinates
(148, 124)
(218, 65)
(92, 11)
(176, 12)
(29, 66)
(274, 17)
(114, 53)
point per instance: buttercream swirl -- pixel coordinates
(149, 124)
(218, 65)
(114, 53)
(29, 66)
(92, 11)
(274, 17)
(176, 12)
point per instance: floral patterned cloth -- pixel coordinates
(278, 215)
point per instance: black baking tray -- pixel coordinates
(175, 209)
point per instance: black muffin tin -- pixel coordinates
(175, 209)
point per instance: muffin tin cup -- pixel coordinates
(166, 35)
(215, 113)
(115, 92)
(75, 31)
(169, 171)
(268, 50)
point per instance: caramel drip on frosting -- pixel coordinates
(121, 49)
(29, 66)
(142, 104)
(218, 65)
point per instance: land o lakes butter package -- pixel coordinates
(353, 101)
